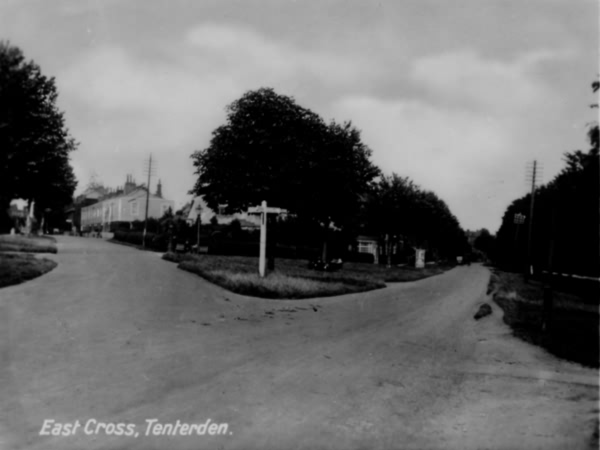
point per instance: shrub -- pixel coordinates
(153, 240)
(119, 226)
(238, 248)
(360, 257)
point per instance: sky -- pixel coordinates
(457, 95)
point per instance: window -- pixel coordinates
(366, 247)
(135, 208)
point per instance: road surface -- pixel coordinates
(114, 336)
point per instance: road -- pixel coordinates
(116, 335)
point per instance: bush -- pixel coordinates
(296, 252)
(360, 257)
(154, 241)
(119, 226)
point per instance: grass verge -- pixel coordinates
(292, 279)
(16, 268)
(27, 244)
(573, 330)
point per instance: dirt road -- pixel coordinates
(118, 336)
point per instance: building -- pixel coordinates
(368, 244)
(126, 204)
(198, 207)
(90, 196)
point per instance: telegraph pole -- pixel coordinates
(149, 170)
(533, 172)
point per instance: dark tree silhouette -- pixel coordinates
(275, 150)
(34, 142)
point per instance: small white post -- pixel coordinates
(419, 258)
(263, 240)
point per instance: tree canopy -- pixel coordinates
(400, 209)
(273, 149)
(34, 142)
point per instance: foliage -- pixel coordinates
(484, 242)
(412, 217)
(34, 142)
(566, 222)
(275, 150)
(154, 241)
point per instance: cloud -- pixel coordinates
(455, 153)
(456, 122)
(494, 85)
(109, 78)
(124, 105)
(262, 58)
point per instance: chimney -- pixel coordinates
(159, 189)
(129, 184)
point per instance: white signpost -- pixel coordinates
(263, 211)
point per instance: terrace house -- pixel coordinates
(125, 205)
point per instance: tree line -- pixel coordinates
(273, 149)
(566, 218)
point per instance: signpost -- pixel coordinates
(263, 210)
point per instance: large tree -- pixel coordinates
(273, 149)
(34, 142)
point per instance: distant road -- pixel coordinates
(116, 335)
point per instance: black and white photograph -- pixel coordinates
(299, 224)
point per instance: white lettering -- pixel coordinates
(87, 424)
(47, 423)
(150, 422)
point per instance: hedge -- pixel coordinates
(245, 248)
(368, 258)
(153, 240)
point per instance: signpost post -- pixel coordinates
(263, 210)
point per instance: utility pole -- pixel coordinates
(533, 172)
(548, 291)
(149, 169)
